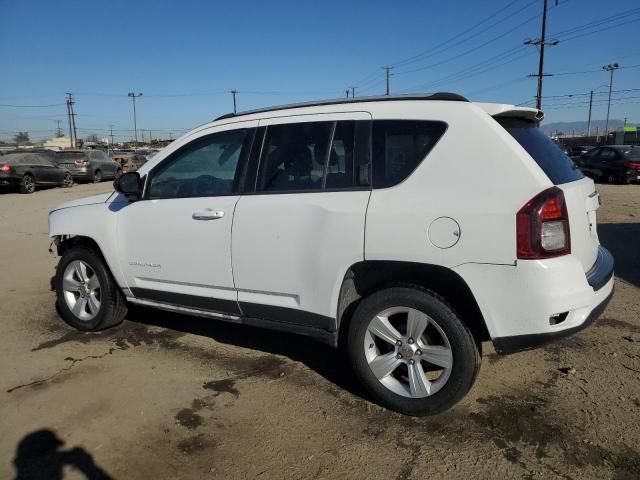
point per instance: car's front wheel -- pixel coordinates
(87, 295)
(97, 176)
(411, 351)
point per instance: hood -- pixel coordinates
(92, 200)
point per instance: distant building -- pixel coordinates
(57, 143)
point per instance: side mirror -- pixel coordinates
(129, 184)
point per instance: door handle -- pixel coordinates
(207, 214)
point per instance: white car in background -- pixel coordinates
(410, 229)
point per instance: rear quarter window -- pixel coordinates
(549, 157)
(398, 147)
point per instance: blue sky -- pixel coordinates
(185, 56)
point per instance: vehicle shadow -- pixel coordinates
(623, 241)
(39, 456)
(327, 361)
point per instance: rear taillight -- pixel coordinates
(542, 226)
(80, 163)
(633, 165)
(5, 168)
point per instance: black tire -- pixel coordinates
(67, 180)
(113, 307)
(27, 184)
(97, 176)
(611, 178)
(465, 354)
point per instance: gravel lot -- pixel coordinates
(168, 396)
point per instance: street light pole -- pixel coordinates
(609, 68)
(135, 121)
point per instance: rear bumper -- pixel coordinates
(8, 180)
(520, 343)
(537, 301)
(83, 174)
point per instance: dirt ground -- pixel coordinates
(169, 396)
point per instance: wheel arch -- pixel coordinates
(366, 277)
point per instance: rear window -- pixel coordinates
(549, 157)
(70, 155)
(631, 153)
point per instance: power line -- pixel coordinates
(437, 49)
(467, 52)
(32, 106)
(595, 23)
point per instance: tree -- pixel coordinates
(21, 137)
(92, 138)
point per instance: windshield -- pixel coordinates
(549, 157)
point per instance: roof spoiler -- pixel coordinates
(498, 110)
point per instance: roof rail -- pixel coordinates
(444, 96)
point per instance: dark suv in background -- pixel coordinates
(612, 164)
(89, 165)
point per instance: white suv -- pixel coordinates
(409, 229)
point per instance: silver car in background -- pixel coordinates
(89, 165)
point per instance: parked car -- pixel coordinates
(575, 152)
(121, 156)
(612, 164)
(89, 165)
(27, 171)
(134, 162)
(363, 222)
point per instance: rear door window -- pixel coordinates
(294, 156)
(549, 157)
(398, 147)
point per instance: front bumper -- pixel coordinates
(537, 301)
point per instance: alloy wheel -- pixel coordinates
(81, 287)
(67, 180)
(29, 184)
(408, 352)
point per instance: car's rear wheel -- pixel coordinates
(67, 180)
(88, 297)
(27, 184)
(411, 351)
(97, 176)
(612, 178)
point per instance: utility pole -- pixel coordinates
(233, 94)
(589, 121)
(111, 134)
(388, 75)
(609, 68)
(135, 121)
(69, 102)
(353, 92)
(149, 137)
(58, 130)
(347, 91)
(541, 42)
